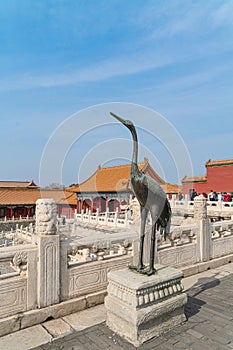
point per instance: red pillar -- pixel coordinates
(28, 211)
(10, 212)
(116, 204)
(99, 204)
(106, 203)
(93, 205)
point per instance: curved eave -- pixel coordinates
(192, 180)
(214, 165)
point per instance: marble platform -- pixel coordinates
(141, 307)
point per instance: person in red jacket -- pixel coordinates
(226, 197)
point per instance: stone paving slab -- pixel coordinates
(25, 339)
(57, 328)
(86, 318)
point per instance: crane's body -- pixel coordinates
(152, 199)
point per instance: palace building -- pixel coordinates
(18, 198)
(219, 178)
(110, 187)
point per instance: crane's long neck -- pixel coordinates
(134, 173)
(135, 147)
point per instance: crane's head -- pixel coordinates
(127, 123)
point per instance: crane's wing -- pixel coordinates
(164, 221)
(147, 190)
(154, 189)
(151, 195)
(158, 198)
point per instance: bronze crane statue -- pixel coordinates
(152, 199)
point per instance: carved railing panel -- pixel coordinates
(222, 238)
(92, 277)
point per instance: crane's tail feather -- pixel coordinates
(164, 222)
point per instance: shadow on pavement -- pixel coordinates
(194, 304)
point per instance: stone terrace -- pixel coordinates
(209, 326)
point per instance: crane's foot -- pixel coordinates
(139, 268)
(151, 271)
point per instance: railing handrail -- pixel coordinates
(18, 218)
(112, 219)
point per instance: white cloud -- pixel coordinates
(175, 18)
(104, 70)
(223, 15)
(123, 66)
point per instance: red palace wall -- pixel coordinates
(219, 179)
(198, 187)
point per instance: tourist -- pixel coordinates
(193, 194)
(211, 196)
(180, 196)
(226, 197)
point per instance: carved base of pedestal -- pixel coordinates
(140, 307)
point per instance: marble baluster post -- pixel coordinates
(48, 252)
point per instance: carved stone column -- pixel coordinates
(204, 236)
(200, 208)
(135, 208)
(49, 252)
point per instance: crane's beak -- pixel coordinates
(118, 118)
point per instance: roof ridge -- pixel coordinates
(222, 161)
(115, 166)
(194, 178)
(17, 184)
(15, 181)
(52, 189)
(5, 188)
(118, 166)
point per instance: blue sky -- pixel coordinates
(59, 57)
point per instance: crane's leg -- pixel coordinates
(153, 248)
(144, 213)
(140, 267)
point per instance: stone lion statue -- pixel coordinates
(46, 217)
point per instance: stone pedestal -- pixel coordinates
(140, 307)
